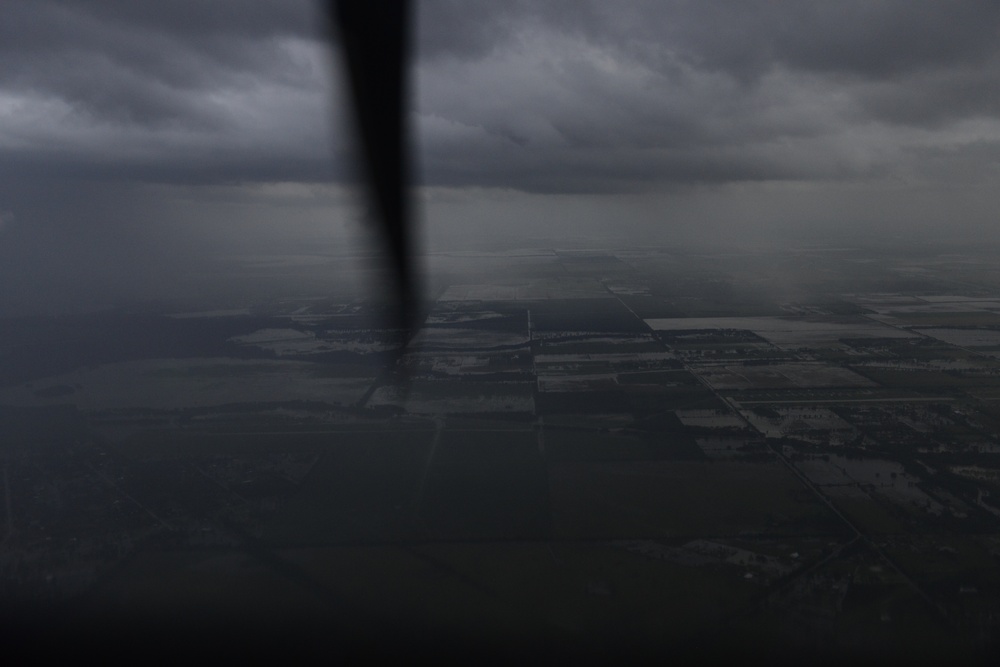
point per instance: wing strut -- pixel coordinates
(374, 40)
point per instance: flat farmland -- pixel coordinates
(439, 397)
(452, 338)
(779, 376)
(485, 485)
(361, 489)
(661, 499)
(567, 444)
(166, 384)
(787, 332)
(965, 337)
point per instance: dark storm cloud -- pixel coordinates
(561, 95)
(458, 29)
(139, 61)
(921, 62)
(187, 91)
(866, 38)
(591, 95)
(123, 123)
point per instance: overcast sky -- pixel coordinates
(130, 126)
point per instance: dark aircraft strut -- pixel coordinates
(374, 41)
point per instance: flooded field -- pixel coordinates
(965, 337)
(167, 384)
(450, 397)
(779, 375)
(788, 333)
